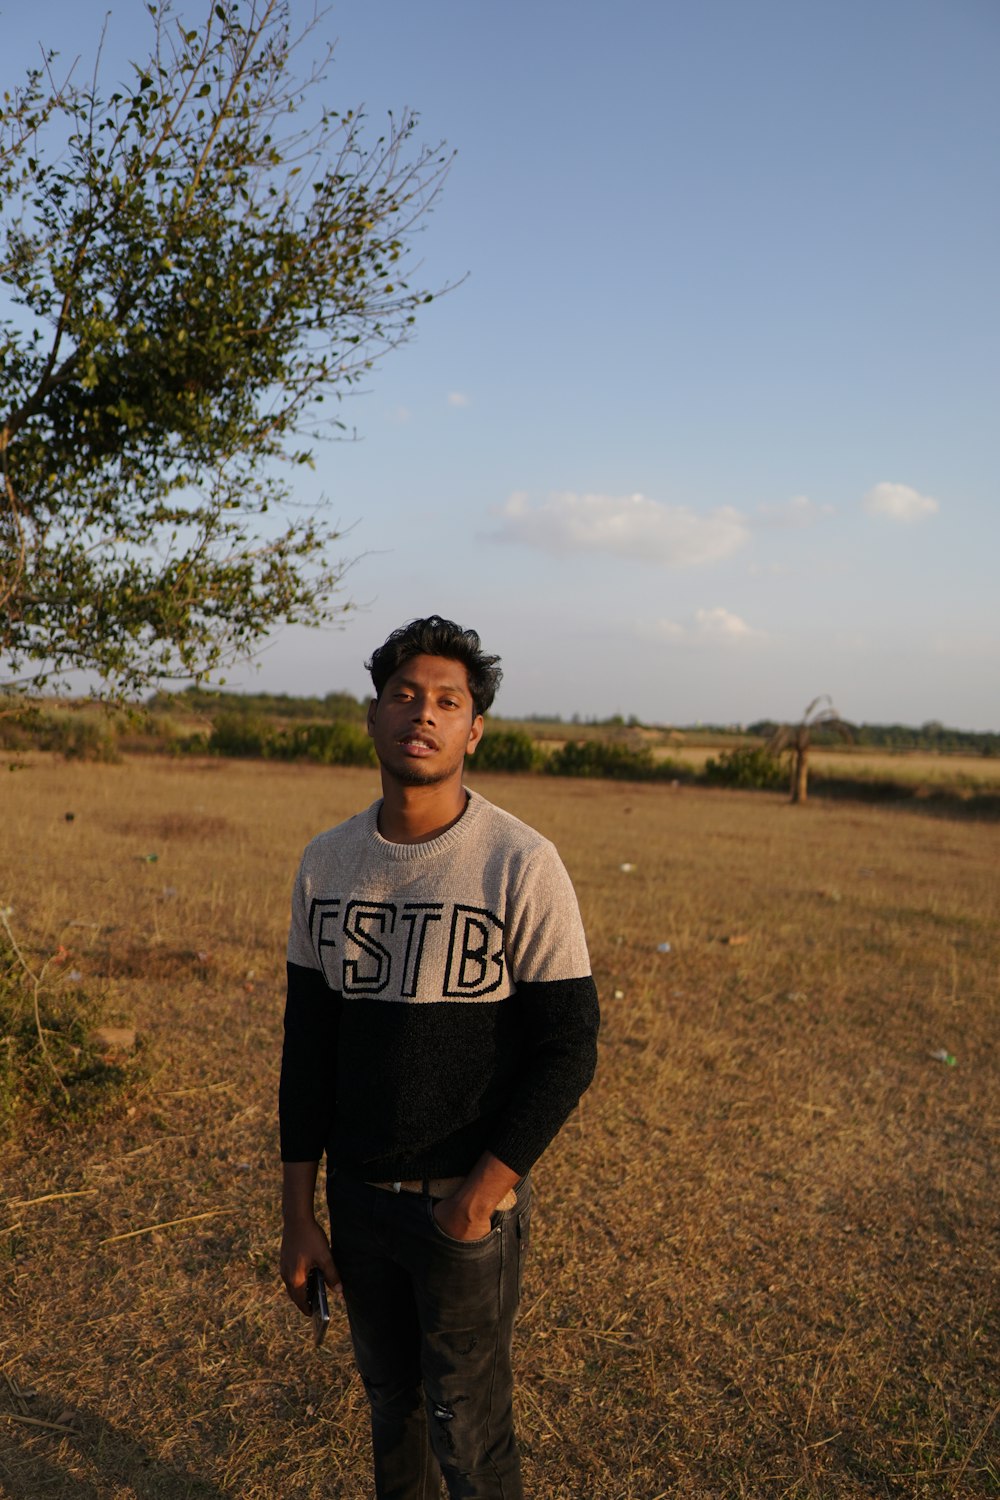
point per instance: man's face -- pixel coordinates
(425, 723)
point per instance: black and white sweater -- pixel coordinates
(440, 1000)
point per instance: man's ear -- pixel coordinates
(475, 735)
(372, 708)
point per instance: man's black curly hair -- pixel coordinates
(436, 636)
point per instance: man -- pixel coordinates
(441, 1024)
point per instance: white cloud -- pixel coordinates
(721, 624)
(400, 415)
(797, 512)
(667, 630)
(459, 398)
(899, 502)
(625, 526)
(709, 627)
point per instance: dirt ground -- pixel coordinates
(765, 1247)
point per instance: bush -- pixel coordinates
(751, 767)
(504, 750)
(198, 743)
(337, 744)
(239, 734)
(67, 1075)
(86, 739)
(604, 758)
(75, 737)
(14, 735)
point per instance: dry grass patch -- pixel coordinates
(176, 827)
(765, 1247)
(949, 769)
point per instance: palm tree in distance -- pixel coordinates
(797, 738)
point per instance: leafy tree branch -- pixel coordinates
(194, 271)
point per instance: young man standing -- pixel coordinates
(441, 1024)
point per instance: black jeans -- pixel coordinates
(432, 1320)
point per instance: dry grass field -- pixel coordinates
(765, 1247)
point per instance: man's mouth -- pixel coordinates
(415, 744)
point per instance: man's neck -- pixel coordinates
(417, 814)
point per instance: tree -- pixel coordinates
(184, 286)
(798, 739)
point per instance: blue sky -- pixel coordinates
(710, 426)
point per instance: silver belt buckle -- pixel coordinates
(397, 1187)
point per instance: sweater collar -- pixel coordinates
(427, 848)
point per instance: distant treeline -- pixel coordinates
(931, 736)
(208, 703)
(331, 731)
(346, 744)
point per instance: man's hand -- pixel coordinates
(467, 1214)
(453, 1218)
(304, 1245)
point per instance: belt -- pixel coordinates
(438, 1187)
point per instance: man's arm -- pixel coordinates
(305, 1098)
(558, 1016)
(560, 1022)
(303, 1243)
(308, 1065)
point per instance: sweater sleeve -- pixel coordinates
(308, 1065)
(560, 1020)
(557, 1006)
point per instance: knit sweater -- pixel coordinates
(440, 1000)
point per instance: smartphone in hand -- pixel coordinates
(319, 1306)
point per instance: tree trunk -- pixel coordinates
(800, 773)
